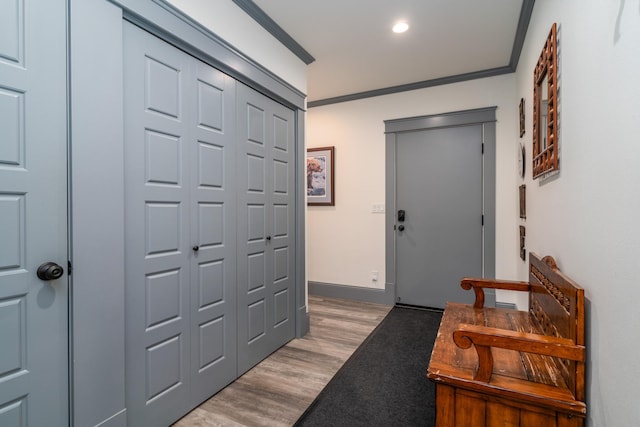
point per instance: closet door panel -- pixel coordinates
(282, 154)
(213, 224)
(253, 258)
(157, 264)
(265, 228)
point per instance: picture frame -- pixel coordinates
(546, 152)
(320, 176)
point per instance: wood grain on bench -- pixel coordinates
(500, 363)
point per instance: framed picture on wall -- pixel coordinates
(320, 176)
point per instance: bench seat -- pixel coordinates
(525, 377)
(519, 374)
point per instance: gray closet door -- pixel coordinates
(213, 232)
(33, 214)
(266, 204)
(180, 230)
(439, 186)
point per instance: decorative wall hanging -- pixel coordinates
(320, 176)
(545, 109)
(521, 111)
(523, 251)
(523, 201)
(521, 160)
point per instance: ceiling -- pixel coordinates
(357, 55)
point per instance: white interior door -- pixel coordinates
(33, 214)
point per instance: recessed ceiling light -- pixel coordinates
(400, 27)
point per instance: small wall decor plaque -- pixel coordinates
(521, 117)
(523, 251)
(523, 201)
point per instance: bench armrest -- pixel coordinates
(478, 285)
(483, 338)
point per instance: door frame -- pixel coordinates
(486, 117)
(97, 383)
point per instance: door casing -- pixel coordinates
(97, 234)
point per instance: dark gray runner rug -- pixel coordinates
(384, 382)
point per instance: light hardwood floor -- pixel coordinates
(279, 389)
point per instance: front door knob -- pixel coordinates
(50, 271)
(401, 227)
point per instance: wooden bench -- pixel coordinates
(502, 367)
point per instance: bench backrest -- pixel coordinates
(557, 304)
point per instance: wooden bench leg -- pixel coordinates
(445, 406)
(567, 421)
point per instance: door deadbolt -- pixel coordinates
(50, 271)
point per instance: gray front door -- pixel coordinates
(266, 207)
(439, 183)
(180, 215)
(33, 214)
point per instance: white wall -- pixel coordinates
(346, 242)
(232, 24)
(587, 216)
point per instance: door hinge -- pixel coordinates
(69, 268)
(482, 220)
(483, 148)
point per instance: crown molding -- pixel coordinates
(274, 29)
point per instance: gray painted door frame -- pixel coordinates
(482, 116)
(97, 220)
